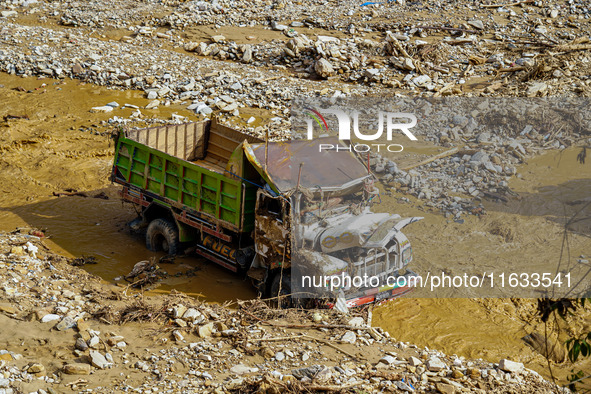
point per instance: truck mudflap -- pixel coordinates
(376, 295)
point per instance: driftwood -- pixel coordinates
(572, 47)
(506, 5)
(441, 155)
(447, 28)
(305, 326)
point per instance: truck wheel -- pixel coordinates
(285, 301)
(162, 235)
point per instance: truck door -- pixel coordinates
(271, 234)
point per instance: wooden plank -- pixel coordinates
(176, 140)
(185, 155)
(441, 155)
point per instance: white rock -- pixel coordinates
(421, 80)
(104, 108)
(414, 362)
(50, 317)
(357, 321)
(323, 68)
(536, 88)
(6, 14)
(241, 369)
(349, 337)
(510, 366)
(93, 341)
(153, 104)
(98, 360)
(387, 360)
(178, 336)
(435, 364)
(191, 314)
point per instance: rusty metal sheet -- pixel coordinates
(328, 169)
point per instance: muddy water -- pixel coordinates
(81, 226)
(549, 190)
(47, 153)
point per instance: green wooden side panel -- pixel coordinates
(186, 184)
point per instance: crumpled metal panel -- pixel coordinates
(327, 169)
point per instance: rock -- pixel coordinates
(98, 360)
(65, 324)
(323, 68)
(112, 341)
(205, 330)
(4, 383)
(93, 341)
(36, 368)
(6, 14)
(477, 24)
(278, 27)
(536, 89)
(408, 64)
(553, 13)
(388, 360)
(204, 110)
(191, 314)
(77, 69)
(179, 311)
(349, 337)
(104, 108)
(50, 317)
(479, 157)
(82, 325)
(372, 73)
(510, 366)
(445, 388)
(7, 309)
(153, 104)
(218, 38)
(357, 321)
(81, 344)
(113, 104)
(403, 386)
(152, 94)
(77, 369)
(241, 369)
(421, 80)
(279, 356)
(307, 372)
(414, 362)
(178, 336)
(435, 364)
(191, 46)
(247, 55)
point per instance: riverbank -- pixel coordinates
(65, 330)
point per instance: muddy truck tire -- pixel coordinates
(162, 235)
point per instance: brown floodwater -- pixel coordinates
(47, 153)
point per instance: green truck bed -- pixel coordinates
(184, 167)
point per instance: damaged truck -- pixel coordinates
(272, 211)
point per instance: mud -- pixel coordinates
(49, 153)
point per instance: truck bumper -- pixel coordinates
(382, 293)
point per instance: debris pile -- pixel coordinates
(192, 346)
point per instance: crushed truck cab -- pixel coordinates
(264, 210)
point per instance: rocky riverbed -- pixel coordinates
(246, 63)
(137, 63)
(65, 330)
